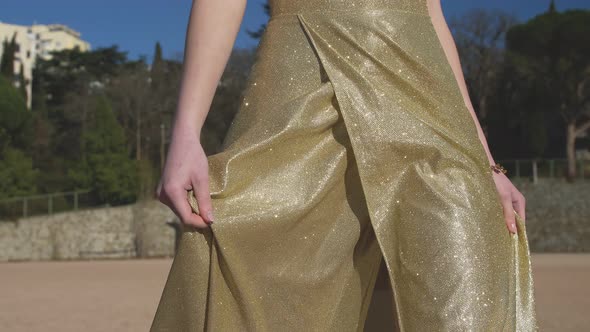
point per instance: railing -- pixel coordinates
(26, 206)
(19, 207)
(544, 168)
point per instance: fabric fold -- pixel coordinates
(352, 145)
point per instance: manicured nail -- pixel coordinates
(210, 216)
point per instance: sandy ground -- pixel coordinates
(121, 295)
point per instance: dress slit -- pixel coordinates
(352, 145)
(343, 107)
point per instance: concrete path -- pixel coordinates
(121, 295)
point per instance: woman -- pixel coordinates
(355, 142)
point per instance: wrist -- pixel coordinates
(185, 133)
(187, 123)
(491, 160)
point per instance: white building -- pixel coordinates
(38, 40)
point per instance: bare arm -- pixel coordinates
(512, 200)
(448, 43)
(211, 32)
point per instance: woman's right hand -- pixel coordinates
(186, 168)
(207, 49)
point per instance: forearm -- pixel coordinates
(211, 32)
(450, 48)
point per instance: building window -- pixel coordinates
(28, 54)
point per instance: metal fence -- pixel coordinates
(19, 207)
(534, 169)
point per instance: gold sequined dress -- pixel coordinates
(353, 144)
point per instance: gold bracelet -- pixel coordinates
(498, 168)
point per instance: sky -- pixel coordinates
(135, 26)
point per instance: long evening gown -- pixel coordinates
(352, 144)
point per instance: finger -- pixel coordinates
(519, 205)
(203, 196)
(162, 196)
(509, 214)
(158, 190)
(183, 209)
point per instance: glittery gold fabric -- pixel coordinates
(353, 143)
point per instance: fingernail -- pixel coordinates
(210, 216)
(514, 227)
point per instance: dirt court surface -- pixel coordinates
(122, 295)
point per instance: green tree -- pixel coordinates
(15, 120)
(7, 61)
(73, 71)
(22, 82)
(64, 88)
(158, 57)
(550, 57)
(552, 8)
(136, 108)
(106, 165)
(158, 70)
(43, 130)
(17, 175)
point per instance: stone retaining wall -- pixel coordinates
(138, 230)
(557, 215)
(557, 219)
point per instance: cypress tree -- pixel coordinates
(22, 82)
(552, 8)
(7, 61)
(157, 61)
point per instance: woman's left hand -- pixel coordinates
(511, 199)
